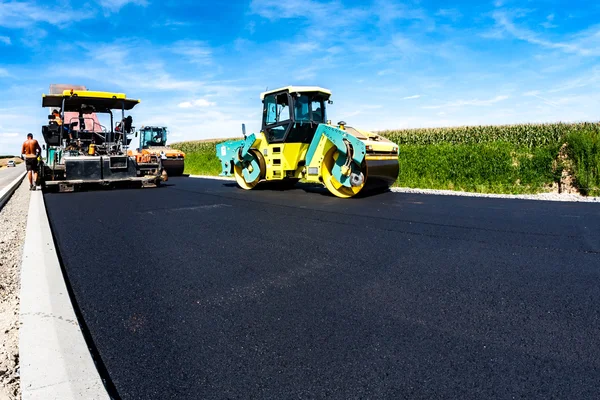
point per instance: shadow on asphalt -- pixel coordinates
(308, 188)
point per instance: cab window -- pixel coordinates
(317, 110)
(301, 113)
(276, 115)
(276, 109)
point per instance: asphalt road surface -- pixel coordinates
(200, 290)
(9, 174)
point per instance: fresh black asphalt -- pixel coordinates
(200, 290)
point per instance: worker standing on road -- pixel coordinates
(29, 153)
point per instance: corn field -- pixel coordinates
(200, 146)
(530, 135)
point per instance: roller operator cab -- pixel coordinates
(298, 142)
(82, 151)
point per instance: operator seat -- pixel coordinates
(127, 124)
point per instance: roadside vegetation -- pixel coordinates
(528, 158)
(200, 157)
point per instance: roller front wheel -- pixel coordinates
(249, 173)
(330, 181)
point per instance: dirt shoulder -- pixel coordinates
(13, 220)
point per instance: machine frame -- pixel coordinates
(342, 158)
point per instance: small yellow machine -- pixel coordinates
(297, 142)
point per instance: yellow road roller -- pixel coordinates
(298, 142)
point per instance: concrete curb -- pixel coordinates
(218, 178)
(10, 189)
(55, 362)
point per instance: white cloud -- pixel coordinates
(545, 100)
(196, 103)
(384, 72)
(275, 9)
(4, 73)
(307, 73)
(194, 51)
(585, 43)
(416, 96)
(406, 46)
(548, 24)
(23, 14)
(450, 13)
(9, 134)
(388, 11)
(474, 102)
(105, 62)
(6, 40)
(116, 5)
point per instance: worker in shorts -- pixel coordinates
(30, 153)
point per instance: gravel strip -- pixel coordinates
(13, 222)
(540, 196)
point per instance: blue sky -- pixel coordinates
(199, 66)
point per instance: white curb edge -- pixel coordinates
(55, 362)
(10, 189)
(218, 178)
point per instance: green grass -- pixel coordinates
(202, 164)
(485, 159)
(584, 152)
(200, 157)
(486, 168)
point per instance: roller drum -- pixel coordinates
(381, 174)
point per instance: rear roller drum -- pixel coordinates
(249, 173)
(175, 170)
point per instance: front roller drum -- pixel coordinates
(332, 183)
(378, 175)
(248, 173)
(174, 167)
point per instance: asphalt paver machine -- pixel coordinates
(81, 152)
(297, 142)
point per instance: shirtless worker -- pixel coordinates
(30, 150)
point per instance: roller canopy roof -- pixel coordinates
(93, 101)
(300, 89)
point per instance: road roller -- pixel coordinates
(153, 141)
(297, 142)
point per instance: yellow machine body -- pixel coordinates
(305, 147)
